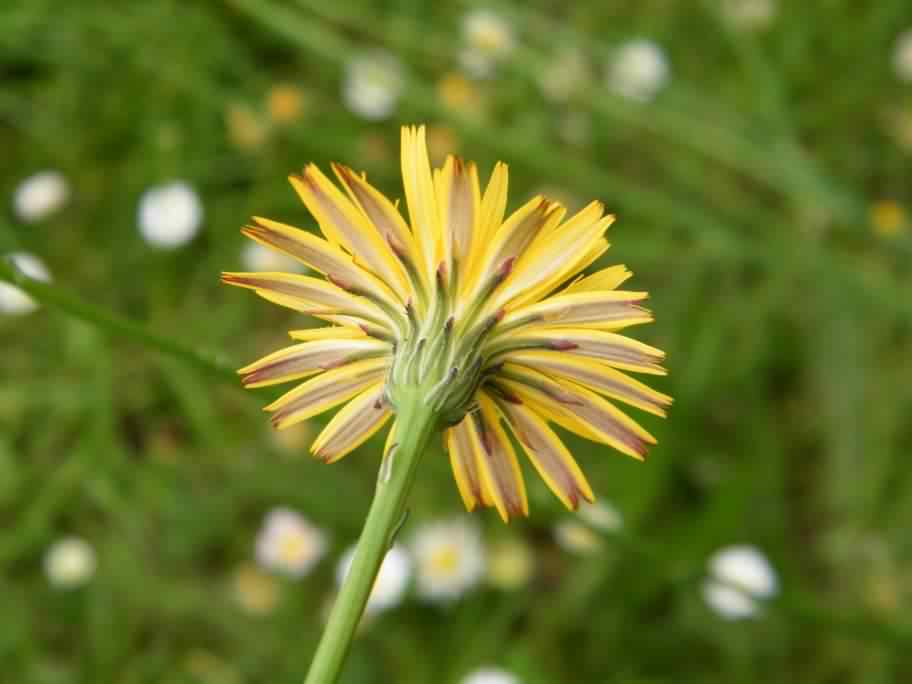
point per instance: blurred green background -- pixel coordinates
(761, 180)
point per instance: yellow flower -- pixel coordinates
(286, 103)
(468, 309)
(888, 218)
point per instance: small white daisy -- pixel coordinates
(639, 70)
(372, 85)
(170, 215)
(488, 40)
(564, 76)
(391, 582)
(749, 15)
(573, 536)
(256, 257)
(449, 559)
(902, 56)
(602, 516)
(289, 544)
(739, 578)
(490, 675)
(40, 195)
(69, 563)
(12, 299)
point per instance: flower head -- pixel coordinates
(479, 314)
(372, 85)
(639, 70)
(488, 40)
(490, 675)
(391, 582)
(449, 559)
(12, 299)
(69, 562)
(289, 544)
(902, 56)
(739, 577)
(40, 195)
(169, 215)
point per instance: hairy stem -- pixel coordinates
(416, 422)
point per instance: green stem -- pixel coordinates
(416, 422)
(59, 299)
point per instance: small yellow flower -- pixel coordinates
(888, 218)
(483, 316)
(286, 103)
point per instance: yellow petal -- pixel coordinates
(356, 422)
(463, 444)
(510, 241)
(308, 294)
(490, 217)
(329, 332)
(599, 310)
(459, 198)
(573, 406)
(497, 462)
(421, 200)
(308, 358)
(607, 279)
(595, 375)
(383, 213)
(319, 255)
(325, 391)
(344, 224)
(555, 257)
(616, 350)
(548, 454)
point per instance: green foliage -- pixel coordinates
(743, 194)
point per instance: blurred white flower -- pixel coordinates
(391, 581)
(170, 215)
(602, 516)
(639, 70)
(573, 536)
(749, 15)
(289, 544)
(449, 558)
(12, 299)
(902, 56)
(490, 675)
(69, 562)
(256, 257)
(40, 195)
(372, 85)
(564, 76)
(739, 577)
(488, 40)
